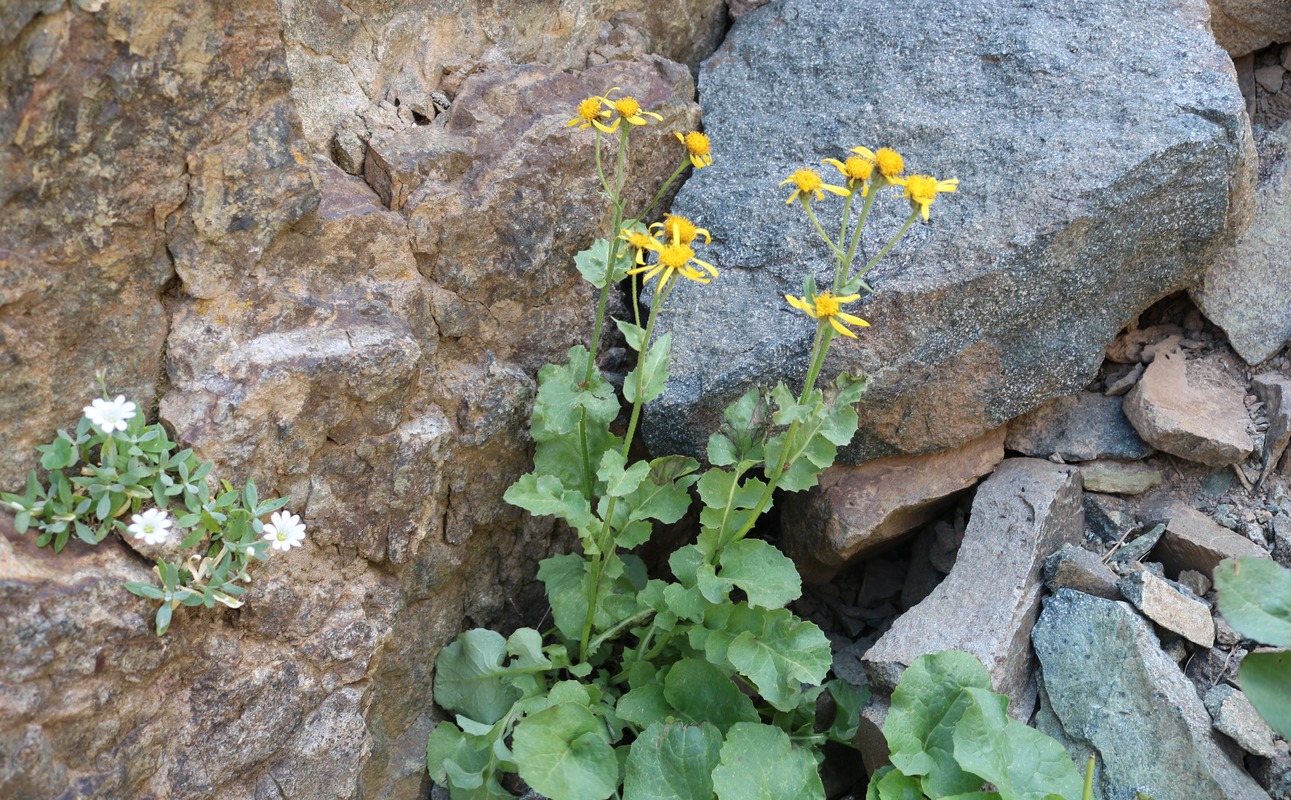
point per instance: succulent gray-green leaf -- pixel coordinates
(672, 761)
(758, 762)
(563, 753)
(1266, 680)
(1255, 598)
(1021, 762)
(468, 677)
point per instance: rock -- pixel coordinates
(1194, 581)
(1112, 689)
(1136, 549)
(1274, 774)
(986, 606)
(1270, 78)
(1234, 715)
(1116, 477)
(1083, 427)
(1244, 26)
(972, 322)
(1191, 409)
(1275, 392)
(1192, 541)
(1123, 384)
(1247, 289)
(1108, 518)
(1074, 567)
(1208, 668)
(857, 510)
(1282, 540)
(1169, 607)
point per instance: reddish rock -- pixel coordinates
(1193, 541)
(1244, 26)
(857, 510)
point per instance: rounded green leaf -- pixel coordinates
(1255, 598)
(702, 693)
(672, 761)
(468, 677)
(1266, 680)
(563, 753)
(1021, 762)
(766, 575)
(758, 762)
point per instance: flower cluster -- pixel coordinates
(673, 254)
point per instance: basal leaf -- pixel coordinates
(721, 451)
(468, 677)
(563, 753)
(848, 701)
(890, 784)
(700, 692)
(766, 575)
(564, 576)
(1021, 762)
(926, 706)
(775, 650)
(1266, 680)
(644, 706)
(672, 761)
(758, 762)
(1255, 598)
(526, 647)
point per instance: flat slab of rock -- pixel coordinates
(1083, 427)
(1247, 291)
(1113, 690)
(1074, 567)
(1118, 477)
(987, 604)
(857, 510)
(1191, 409)
(1009, 297)
(1194, 541)
(1275, 392)
(1244, 26)
(1170, 608)
(1235, 716)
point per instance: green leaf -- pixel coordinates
(1255, 598)
(468, 677)
(889, 784)
(462, 762)
(591, 264)
(618, 480)
(644, 706)
(775, 650)
(1021, 762)
(766, 575)
(664, 494)
(163, 619)
(758, 762)
(545, 495)
(672, 761)
(926, 706)
(563, 753)
(564, 576)
(144, 590)
(633, 334)
(848, 701)
(702, 693)
(250, 497)
(648, 378)
(563, 397)
(526, 645)
(1266, 680)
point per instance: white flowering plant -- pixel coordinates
(114, 467)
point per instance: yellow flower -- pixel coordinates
(921, 190)
(889, 162)
(682, 229)
(640, 242)
(675, 257)
(808, 185)
(856, 169)
(628, 109)
(590, 113)
(826, 306)
(697, 145)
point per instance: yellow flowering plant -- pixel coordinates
(663, 685)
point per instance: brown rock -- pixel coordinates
(986, 606)
(1169, 607)
(1193, 541)
(1193, 410)
(857, 510)
(1074, 567)
(1275, 392)
(1244, 26)
(1117, 477)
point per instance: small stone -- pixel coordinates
(1117, 477)
(1211, 667)
(1108, 517)
(1270, 78)
(945, 546)
(1274, 774)
(1083, 427)
(1235, 716)
(1282, 539)
(1193, 541)
(1076, 568)
(1176, 649)
(1123, 384)
(1275, 391)
(1190, 409)
(1168, 607)
(1137, 548)
(1194, 581)
(1226, 634)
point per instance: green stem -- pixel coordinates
(655, 310)
(1088, 794)
(658, 648)
(600, 169)
(870, 264)
(842, 237)
(644, 215)
(856, 235)
(824, 335)
(806, 204)
(609, 634)
(610, 261)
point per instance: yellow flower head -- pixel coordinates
(675, 257)
(697, 145)
(626, 108)
(682, 229)
(825, 306)
(808, 185)
(639, 242)
(857, 170)
(888, 161)
(590, 113)
(921, 190)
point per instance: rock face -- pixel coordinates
(1083, 427)
(1247, 291)
(986, 606)
(1111, 688)
(858, 510)
(169, 213)
(1243, 26)
(1191, 409)
(1008, 299)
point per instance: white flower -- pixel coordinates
(284, 531)
(109, 416)
(153, 526)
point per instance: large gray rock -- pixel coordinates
(1089, 189)
(987, 604)
(1083, 427)
(1111, 688)
(1247, 291)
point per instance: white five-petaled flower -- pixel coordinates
(284, 531)
(110, 415)
(153, 526)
